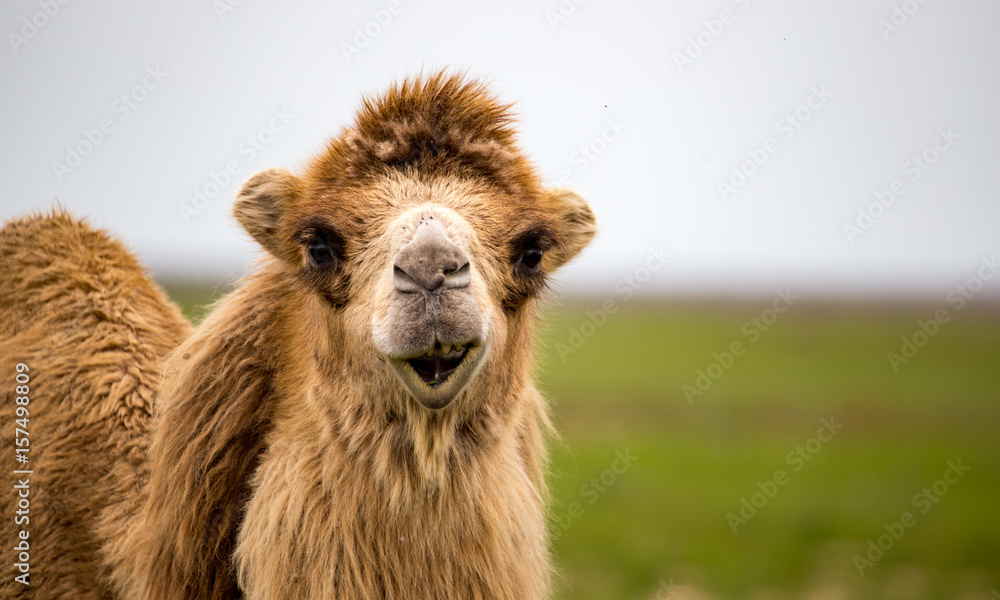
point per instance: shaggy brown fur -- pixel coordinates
(79, 311)
(287, 460)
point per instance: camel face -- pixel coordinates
(420, 238)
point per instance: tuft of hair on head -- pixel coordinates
(445, 124)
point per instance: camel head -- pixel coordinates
(414, 246)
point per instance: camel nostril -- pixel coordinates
(454, 268)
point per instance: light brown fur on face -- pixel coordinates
(310, 439)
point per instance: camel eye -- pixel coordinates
(324, 250)
(532, 258)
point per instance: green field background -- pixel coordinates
(656, 524)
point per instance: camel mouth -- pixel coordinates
(437, 376)
(438, 363)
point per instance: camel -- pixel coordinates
(356, 420)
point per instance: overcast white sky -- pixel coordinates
(694, 89)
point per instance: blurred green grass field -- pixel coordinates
(643, 480)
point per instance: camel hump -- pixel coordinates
(54, 261)
(87, 331)
(62, 279)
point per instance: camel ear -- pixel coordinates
(576, 224)
(259, 207)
